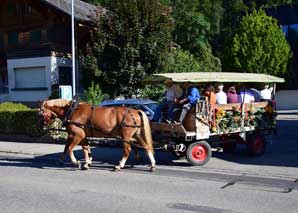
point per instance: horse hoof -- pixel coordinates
(116, 169)
(85, 166)
(152, 169)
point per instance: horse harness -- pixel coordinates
(90, 124)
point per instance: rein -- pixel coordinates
(123, 124)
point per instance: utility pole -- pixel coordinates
(73, 50)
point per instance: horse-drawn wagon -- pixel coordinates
(217, 126)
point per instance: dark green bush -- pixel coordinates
(19, 119)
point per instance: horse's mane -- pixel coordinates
(57, 103)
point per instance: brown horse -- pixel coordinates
(84, 120)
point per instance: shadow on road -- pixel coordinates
(281, 151)
(103, 158)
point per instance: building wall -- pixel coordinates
(30, 94)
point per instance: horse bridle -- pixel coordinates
(46, 116)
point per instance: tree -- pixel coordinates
(191, 27)
(192, 32)
(129, 43)
(213, 11)
(259, 46)
(179, 60)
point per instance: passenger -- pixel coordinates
(173, 92)
(210, 95)
(232, 96)
(266, 93)
(221, 96)
(187, 101)
(246, 96)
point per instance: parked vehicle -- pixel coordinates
(219, 125)
(147, 105)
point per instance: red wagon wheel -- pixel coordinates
(256, 144)
(198, 153)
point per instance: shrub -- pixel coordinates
(19, 119)
(93, 95)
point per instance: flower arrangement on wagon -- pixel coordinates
(226, 120)
(231, 120)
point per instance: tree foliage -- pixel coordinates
(191, 32)
(179, 60)
(93, 95)
(135, 40)
(129, 43)
(259, 46)
(191, 27)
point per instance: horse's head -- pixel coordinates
(51, 109)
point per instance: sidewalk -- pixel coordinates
(36, 149)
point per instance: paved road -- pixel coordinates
(32, 181)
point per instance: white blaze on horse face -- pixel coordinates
(152, 159)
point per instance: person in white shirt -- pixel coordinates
(266, 93)
(221, 96)
(173, 91)
(172, 94)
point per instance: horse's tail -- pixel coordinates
(146, 130)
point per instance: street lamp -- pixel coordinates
(73, 50)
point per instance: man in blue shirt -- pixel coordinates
(187, 101)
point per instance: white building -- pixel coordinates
(35, 45)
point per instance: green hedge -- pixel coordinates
(19, 119)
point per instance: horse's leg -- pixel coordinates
(87, 152)
(90, 154)
(62, 157)
(152, 160)
(149, 150)
(126, 152)
(138, 158)
(74, 140)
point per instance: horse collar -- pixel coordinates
(74, 104)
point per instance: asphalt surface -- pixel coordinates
(32, 180)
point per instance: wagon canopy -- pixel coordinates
(198, 77)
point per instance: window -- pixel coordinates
(51, 35)
(3, 81)
(285, 29)
(65, 76)
(30, 77)
(23, 37)
(11, 9)
(13, 38)
(35, 36)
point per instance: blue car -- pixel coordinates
(147, 105)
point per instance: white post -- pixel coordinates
(73, 50)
